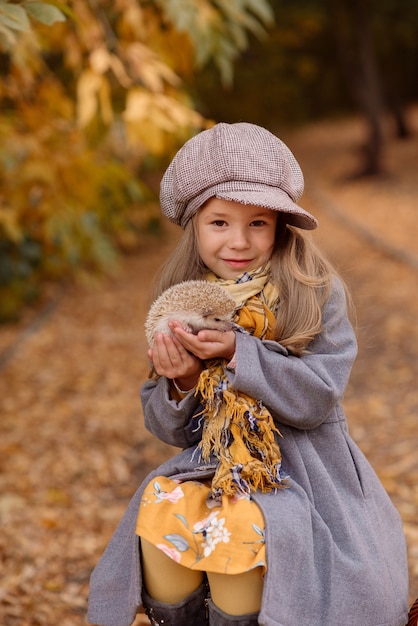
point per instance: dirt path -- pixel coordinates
(72, 444)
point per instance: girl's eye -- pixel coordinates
(219, 223)
(258, 223)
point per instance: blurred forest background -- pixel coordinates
(97, 95)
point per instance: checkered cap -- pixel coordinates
(241, 162)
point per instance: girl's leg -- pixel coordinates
(172, 594)
(164, 579)
(237, 594)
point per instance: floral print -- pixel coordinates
(184, 522)
(173, 496)
(213, 531)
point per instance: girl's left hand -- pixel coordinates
(171, 359)
(207, 344)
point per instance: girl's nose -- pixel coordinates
(239, 240)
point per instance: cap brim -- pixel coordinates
(276, 201)
(268, 197)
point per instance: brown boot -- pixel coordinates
(191, 610)
(218, 618)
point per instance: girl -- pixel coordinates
(271, 514)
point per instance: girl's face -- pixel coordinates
(233, 238)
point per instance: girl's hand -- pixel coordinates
(172, 360)
(207, 344)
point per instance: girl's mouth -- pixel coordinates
(237, 262)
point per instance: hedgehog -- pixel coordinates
(196, 304)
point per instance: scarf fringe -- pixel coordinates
(238, 429)
(240, 432)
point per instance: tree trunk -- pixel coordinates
(354, 41)
(397, 110)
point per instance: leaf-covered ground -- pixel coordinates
(72, 444)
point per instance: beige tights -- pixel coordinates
(167, 581)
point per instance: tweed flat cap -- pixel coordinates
(241, 162)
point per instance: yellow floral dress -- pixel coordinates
(182, 520)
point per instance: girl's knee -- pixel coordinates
(237, 594)
(164, 579)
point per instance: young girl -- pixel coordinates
(271, 514)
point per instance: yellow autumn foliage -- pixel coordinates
(91, 94)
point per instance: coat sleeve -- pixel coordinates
(168, 420)
(300, 391)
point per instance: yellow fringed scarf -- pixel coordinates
(238, 429)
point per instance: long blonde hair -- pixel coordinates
(300, 270)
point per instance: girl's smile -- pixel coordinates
(234, 237)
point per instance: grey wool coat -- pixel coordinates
(334, 542)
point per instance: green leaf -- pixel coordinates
(13, 16)
(182, 519)
(178, 542)
(258, 530)
(45, 13)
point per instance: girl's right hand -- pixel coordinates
(171, 359)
